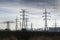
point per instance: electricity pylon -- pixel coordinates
(8, 24)
(24, 20)
(45, 16)
(20, 24)
(16, 22)
(55, 25)
(31, 26)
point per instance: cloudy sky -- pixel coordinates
(10, 8)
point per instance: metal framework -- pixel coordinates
(31, 26)
(8, 24)
(24, 19)
(45, 16)
(16, 22)
(55, 23)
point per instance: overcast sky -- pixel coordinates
(10, 8)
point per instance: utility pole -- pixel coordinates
(45, 16)
(24, 19)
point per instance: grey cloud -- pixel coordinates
(43, 1)
(32, 3)
(39, 0)
(11, 1)
(40, 3)
(50, 2)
